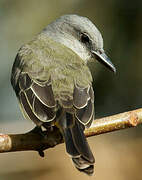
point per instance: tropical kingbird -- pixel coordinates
(54, 84)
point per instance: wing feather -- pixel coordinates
(43, 112)
(85, 114)
(83, 101)
(36, 99)
(80, 97)
(27, 110)
(41, 93)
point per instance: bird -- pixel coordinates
(53, 83)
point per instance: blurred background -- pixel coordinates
(118, 154)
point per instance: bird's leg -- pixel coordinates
(50, 133)
(37, 130)
(41, 132)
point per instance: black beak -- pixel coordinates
(102, 58)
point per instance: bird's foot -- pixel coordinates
(50, 136)
(43, 133)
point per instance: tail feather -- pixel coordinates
(77, 147)
(81, 143)
(88, 170)
(70, 147)
(83, 166)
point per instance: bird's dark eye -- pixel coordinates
(84, 38)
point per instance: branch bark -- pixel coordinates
(34, 140)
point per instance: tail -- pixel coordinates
(76, 144)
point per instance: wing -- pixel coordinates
(83, 101)
(35, 97)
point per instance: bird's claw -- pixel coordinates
(41, 153)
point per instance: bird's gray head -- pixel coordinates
(81, 35)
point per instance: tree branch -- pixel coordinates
(34, 140)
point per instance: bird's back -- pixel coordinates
(44, 58)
